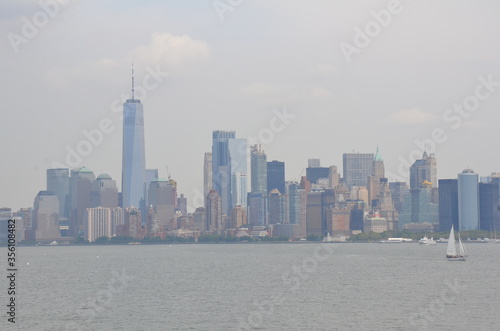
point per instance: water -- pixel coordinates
(261, 286)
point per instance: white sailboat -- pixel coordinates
(451, 250)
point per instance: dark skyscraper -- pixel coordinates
(488, 206)
(276, 176)
(133, 155)
(448, 204)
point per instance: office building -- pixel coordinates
(276, 176)
(46, 216)
(81, 182)
(98, 223)
(257, 213)
(448, 204)
(468, 200)
(213, 212)
(422, 170)
(58, 183)
(357, 167)
(104, 192)
(258, 167)
(133, 155)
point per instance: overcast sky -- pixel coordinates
(229, 67)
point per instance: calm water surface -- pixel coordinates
(257, 286)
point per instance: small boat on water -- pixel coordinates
(451, 250)
(427, 241)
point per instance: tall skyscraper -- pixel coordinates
(238, 156)
(229, 169)
(276, 176)
(258, 166)
(278, 208)
(133, 154)
(422, 170)
(221, 167)
(489, 215)
(207, 174)
(357, 167)
(161, 195)
(58, 182)
(213, 212)
(46, 216)
(104, 192)
(448, 204)
(81, 181)
(468, 200)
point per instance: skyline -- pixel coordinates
(231, 75)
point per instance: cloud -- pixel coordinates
(168, 49)
(413, 116)
(259, 89)
(165, 50)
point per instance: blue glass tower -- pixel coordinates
(133, 155)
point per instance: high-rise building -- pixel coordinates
(397, 190)
(448, 204)
(334, 177)
(58, 182)
(386, 206)
(151, 174)
(161, 195)
(378, 172)
(357, 167)
(278, 208)
(317, 204)
(313, 163)
(46, 216)
(104, 192)
(422, 170)
(297, 203)
(133, 155)
(221, 167)
(213, 212)
(489, 214)
(418, 206)
(238, 156)
(238, 218)
(182, 204)
(338, 220)
(80, 183)
(258, 166)
(468, 200)
(257, 209)
(276, 176)
(207, 173)
(314, 174)
(98, 223)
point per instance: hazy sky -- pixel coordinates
(395, 85)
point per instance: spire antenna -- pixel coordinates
(133, 81)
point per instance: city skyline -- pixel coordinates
(378, 91)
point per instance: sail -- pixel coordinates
(461, 247)
(451, 249)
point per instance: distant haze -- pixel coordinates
(69, 74)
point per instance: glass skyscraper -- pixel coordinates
(468, 200)
(133, 155)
